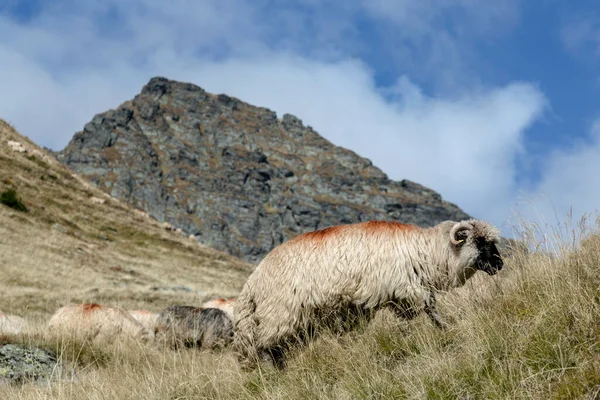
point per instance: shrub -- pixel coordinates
(10, 199)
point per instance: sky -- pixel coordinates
(491, 104)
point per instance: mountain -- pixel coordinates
(63, 240)
(234, 175)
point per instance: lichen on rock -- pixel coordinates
(19, 364)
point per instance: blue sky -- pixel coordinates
(492, 104)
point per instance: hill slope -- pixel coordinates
(69, 246)
(233, 174)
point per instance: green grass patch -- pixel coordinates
(9, 198)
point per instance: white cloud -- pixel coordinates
(435, 39)
(581, 36)
(60, 71)
(51, 110)
(419, 16)
(463, 147)
(568, 185)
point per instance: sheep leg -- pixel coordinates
(274, 356)
(404, 309)
(432, 313)
(278, 357)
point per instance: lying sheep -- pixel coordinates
(141, 214)
(340, 273)
(167, 226)
(146, 318)
(92, 321)
(222, 304)
(16, 146)
(12, 324)
(97, 200)
(189, 326)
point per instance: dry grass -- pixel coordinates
(532, 331)
(66, 248)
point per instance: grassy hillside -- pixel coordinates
(69, 247)
(531, 331)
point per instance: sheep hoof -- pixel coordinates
(441, 324)
(437, 320)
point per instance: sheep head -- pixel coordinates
(479, 239)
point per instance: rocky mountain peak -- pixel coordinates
(233, 174)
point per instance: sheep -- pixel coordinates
(97, 200)
(12, 324)
(95, 322)
(167, 226)
(222, 304)
(141, 214)
(146, 318)
(16, 146)
(190, 326)
(341, 273)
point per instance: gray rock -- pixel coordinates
(233, 175)
(19, 364)
(60, 228)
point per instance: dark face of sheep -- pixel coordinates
(478, 239)
(489, 259)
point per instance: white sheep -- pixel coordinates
(12, 324)
(141, 214)
(146, 318)
(16, 146)
(95, 322)
(167, 226)
(222, 304)
(97, 200)
(340, 273)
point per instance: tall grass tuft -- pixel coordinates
(9, 198)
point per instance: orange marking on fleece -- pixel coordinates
(387, 226)
(89, 307)
(320, 235)
(369, 227)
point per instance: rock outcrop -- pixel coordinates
(20, 364)
(234, 175)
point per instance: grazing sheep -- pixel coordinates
(41, 156)
(12, 324)
(193, 327)
(16, 146)
(95, 322)
(167, 226)
(141, 214)
(146, 318)
(343, 272)
(97, 200)
(222, 304)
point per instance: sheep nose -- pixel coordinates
(498, 263)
